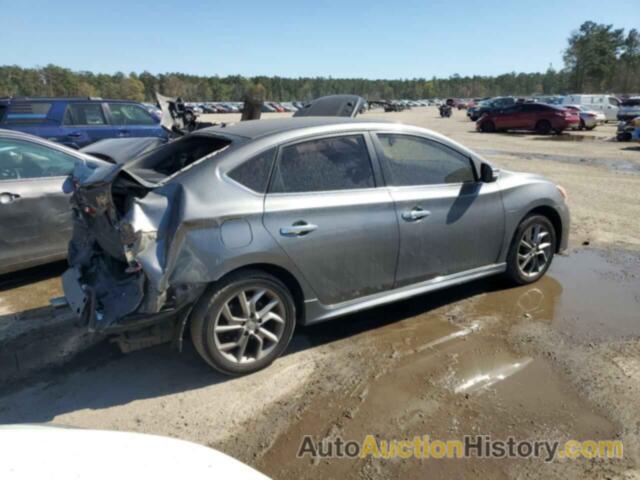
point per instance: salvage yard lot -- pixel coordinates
(556, 359)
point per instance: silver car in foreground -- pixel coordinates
(239, 232)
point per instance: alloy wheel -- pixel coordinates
(249, 325)
(534, 250)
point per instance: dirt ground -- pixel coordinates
(556, 360)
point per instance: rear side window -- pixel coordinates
(129, 114)
(336, 163)
(84, 114)
(417, 161)
(254, 173)
(26, 112)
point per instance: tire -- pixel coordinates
(543, 127)
(582, 125)
(590, 128)
(520, 270)
(212, 329)
(488, 127)
(558, 131)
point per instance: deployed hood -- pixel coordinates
(333, 106)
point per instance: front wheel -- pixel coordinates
(488, 126)
(531, 250)
(244, 323)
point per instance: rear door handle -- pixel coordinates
(416, 213)
(8, 197)
(298, 229)
(74, 135)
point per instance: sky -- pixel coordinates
(292, 38)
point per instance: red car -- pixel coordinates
(537, 117)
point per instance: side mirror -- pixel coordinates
(487, 173)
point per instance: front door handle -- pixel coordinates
(74, 135)
(8, 197)
(298, 229)
(416, 213)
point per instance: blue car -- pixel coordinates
(77, 122)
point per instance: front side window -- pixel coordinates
(84, 114)
(335, 163)
(129, 114)
(20, 160)
(413, 160)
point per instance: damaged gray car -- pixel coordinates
(237, 233)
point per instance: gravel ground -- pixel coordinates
(556, 360)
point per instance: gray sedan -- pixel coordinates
(243, 231)
(35, 216)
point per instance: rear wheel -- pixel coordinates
(582, 125)
(488, 126)
(543, 127)
(244, 323)
(531, 250)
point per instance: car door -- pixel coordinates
(449, 221)
(35, 217)
(326, 210)
(509, 118)
(529, 115)
(132, 120)
(611, 108)
(85, 123)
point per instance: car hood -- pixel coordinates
(333, 106)
(65, 453)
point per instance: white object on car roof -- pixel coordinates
(45, 452)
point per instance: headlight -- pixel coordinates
(563, 192)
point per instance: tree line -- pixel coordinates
(598, 58)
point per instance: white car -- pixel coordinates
(608, 105)
(589, 119)
(46, 452)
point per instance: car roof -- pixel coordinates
(253, 129)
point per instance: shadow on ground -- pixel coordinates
(102, 377)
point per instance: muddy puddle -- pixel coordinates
(568, 137)
(447, 371)
(612, 163)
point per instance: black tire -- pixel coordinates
(590, 128)
(514, 271)
(488, 126)
(209, 309)
(582, 125)
(543, 127)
